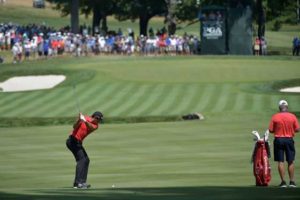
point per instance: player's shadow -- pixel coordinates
(171, 193)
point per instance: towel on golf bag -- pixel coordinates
(261, 165)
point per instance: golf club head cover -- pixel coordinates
(266, 136)
(256, 135)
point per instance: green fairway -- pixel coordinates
(183, 160)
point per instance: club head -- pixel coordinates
(256, 135)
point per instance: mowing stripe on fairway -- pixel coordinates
(106, 100)
(30, 108)
(294, 102)
(42, 104)
(57, 103)
(262, 102)
(177, 97)
(258, 101)
(103, 95)
(202, 99)
(118, 97)
(166, 100)
(181, 101)
(114, 109)
(52, 103)
(86, 98)
(231, 101)
(84, 93)
(154, 100)
(144, 101)
(210, 98)
(7, 98)
(270, 102)
(134, 100)
(240, 102)
(249, 102)
(127, 101)
(222, 100)
(138, 103)
(11, 109)
(184, 100)
(195, 98)
(66, 101)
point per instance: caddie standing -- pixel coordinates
(284, 125)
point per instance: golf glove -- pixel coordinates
(82, 117)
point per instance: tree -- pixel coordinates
(287, 8)
(100, 9)
(143, 10)
(75, 16)
(69, 7)
(261, 18)
(187, 11)
(171, 16)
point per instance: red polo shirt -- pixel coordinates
(284, 124)
(82, 130)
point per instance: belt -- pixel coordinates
(74, 139)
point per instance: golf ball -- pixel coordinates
(113, 186)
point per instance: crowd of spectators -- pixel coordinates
(39, 41)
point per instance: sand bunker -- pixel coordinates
(28, 83)
(291, 89)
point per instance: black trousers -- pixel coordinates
(81, 158)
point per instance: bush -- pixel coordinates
(291, 21)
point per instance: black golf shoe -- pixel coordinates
(292, 184)
(283, 184)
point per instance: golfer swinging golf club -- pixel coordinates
(81, 128)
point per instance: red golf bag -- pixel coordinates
(261, 165)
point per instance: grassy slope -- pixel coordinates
(153, 86)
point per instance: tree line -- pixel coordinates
(174, 12)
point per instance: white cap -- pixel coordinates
(283, 103)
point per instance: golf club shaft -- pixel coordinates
(76, 98)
